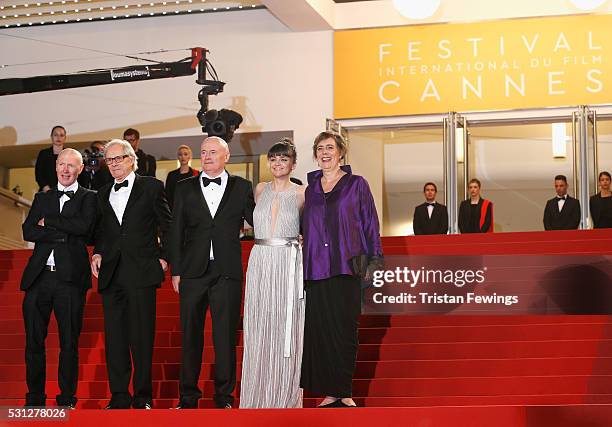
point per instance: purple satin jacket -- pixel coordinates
(338, 225)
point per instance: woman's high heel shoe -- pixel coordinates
(335, 404)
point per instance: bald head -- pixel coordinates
(68, 166)
(217, 139)
(71, 152)
(214, 153)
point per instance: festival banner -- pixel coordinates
(482, 66)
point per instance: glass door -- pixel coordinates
(456, 165)
(584, 141)
(397, 162)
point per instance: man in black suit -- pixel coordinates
(430, 217)
(57, 277)
(205, 253)
(146, 163)
(562, 212)
(129, 264)
(44, 170)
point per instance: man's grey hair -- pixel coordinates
(220, 140)
(72, 151)
(127, 150)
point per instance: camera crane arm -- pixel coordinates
(163, 70)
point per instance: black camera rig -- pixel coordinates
(215, 123)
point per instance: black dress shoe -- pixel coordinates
(113, 405)
(69, 403)
(142, 404)
(120, 401)
(35, 399)
(186, 405)
(223, 405)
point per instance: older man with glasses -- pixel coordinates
(129, 261)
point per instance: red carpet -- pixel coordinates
(403, 361)
(500, 416)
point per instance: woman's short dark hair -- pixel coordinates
(57, 127)
(604, 173)
(284, 147)
(338, 139)
(475, 181)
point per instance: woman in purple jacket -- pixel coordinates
(339, 222)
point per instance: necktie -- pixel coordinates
(560, 198)
(207, 181)
(122, 184)
(431, 204)
(68, 193)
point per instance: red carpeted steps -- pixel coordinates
(402, 360)
(575, 366)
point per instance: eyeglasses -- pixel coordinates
(117, 159)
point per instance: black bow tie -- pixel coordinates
(207, 181)
(560, 198)
(68, 193)
(431, 204)
(122, 184)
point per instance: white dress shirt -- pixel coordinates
(213, 194)
(72, 187)
(561, 202)
(430, 208)
(118, 199)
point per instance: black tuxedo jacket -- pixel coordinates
(193, 228)
(567, 219)
(147, 165)
(66, 233)
(437, 224)
(134, 241)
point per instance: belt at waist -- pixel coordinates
(278, 241)
(295, 280)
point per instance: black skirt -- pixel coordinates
(331, 336)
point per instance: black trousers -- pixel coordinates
(223, 295)
(129, 334)
(331, 335)
(66, 301)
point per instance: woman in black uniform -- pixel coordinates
(475, 213)
(601, 203)
(184, 156)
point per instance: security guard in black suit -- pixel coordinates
(430, 217)
(563, 211)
